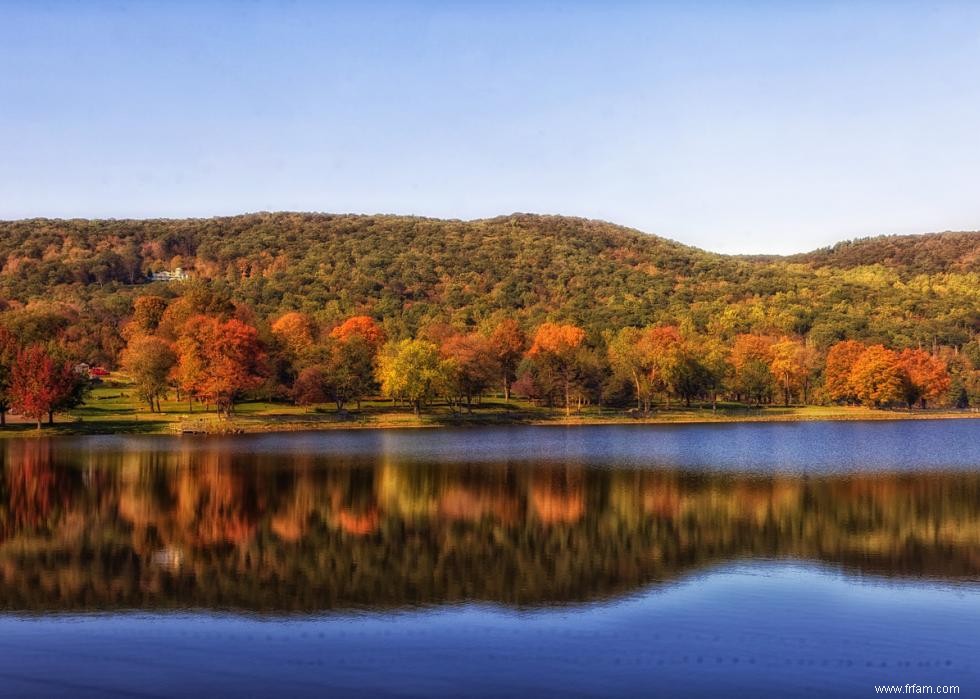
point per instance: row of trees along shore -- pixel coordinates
(211, 352)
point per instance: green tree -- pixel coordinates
(348, 370)
(148, 361)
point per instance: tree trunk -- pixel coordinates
(50, 417)
(568, 403)
(3, 418)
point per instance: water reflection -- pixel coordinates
(207, 528)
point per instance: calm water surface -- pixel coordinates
(816, 559)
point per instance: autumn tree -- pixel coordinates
(751, 360)
(147, 313)
(473, 366)
(295, 331)
(876, 377)
(9, 347)
(197, 299)
(219, 360)
(789, 366)
(924, 377)
(841, 358)
(413, 371)
(559, 346)
(39, 322)
(663, 346)
(538, 380)
(149, 360)
(364, 327)
(508, 344)
(629, 359)
(964, 378)
(40, 384)
(310, 386)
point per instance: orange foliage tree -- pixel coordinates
(924, 377)
(876, 377)
(360, 326)
(508, 343)
(790, 366)
(559, 345)
(218, 360)
(841, 358)
(147, 313)
(295, 331)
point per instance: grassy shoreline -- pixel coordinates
(111, 409)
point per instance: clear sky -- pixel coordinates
(737, 127)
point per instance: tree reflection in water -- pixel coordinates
(207, 529)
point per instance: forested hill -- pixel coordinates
(912, 254)
(409, 272)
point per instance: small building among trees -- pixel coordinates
(177, 275)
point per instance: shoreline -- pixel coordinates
(147, 424)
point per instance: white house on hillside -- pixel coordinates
(178, 275)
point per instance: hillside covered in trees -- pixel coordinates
(933, 253)
(318, 308)
(411, 271)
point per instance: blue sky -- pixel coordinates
(737, 127)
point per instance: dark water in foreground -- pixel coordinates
(818, 559)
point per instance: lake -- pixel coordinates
(782, 559)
